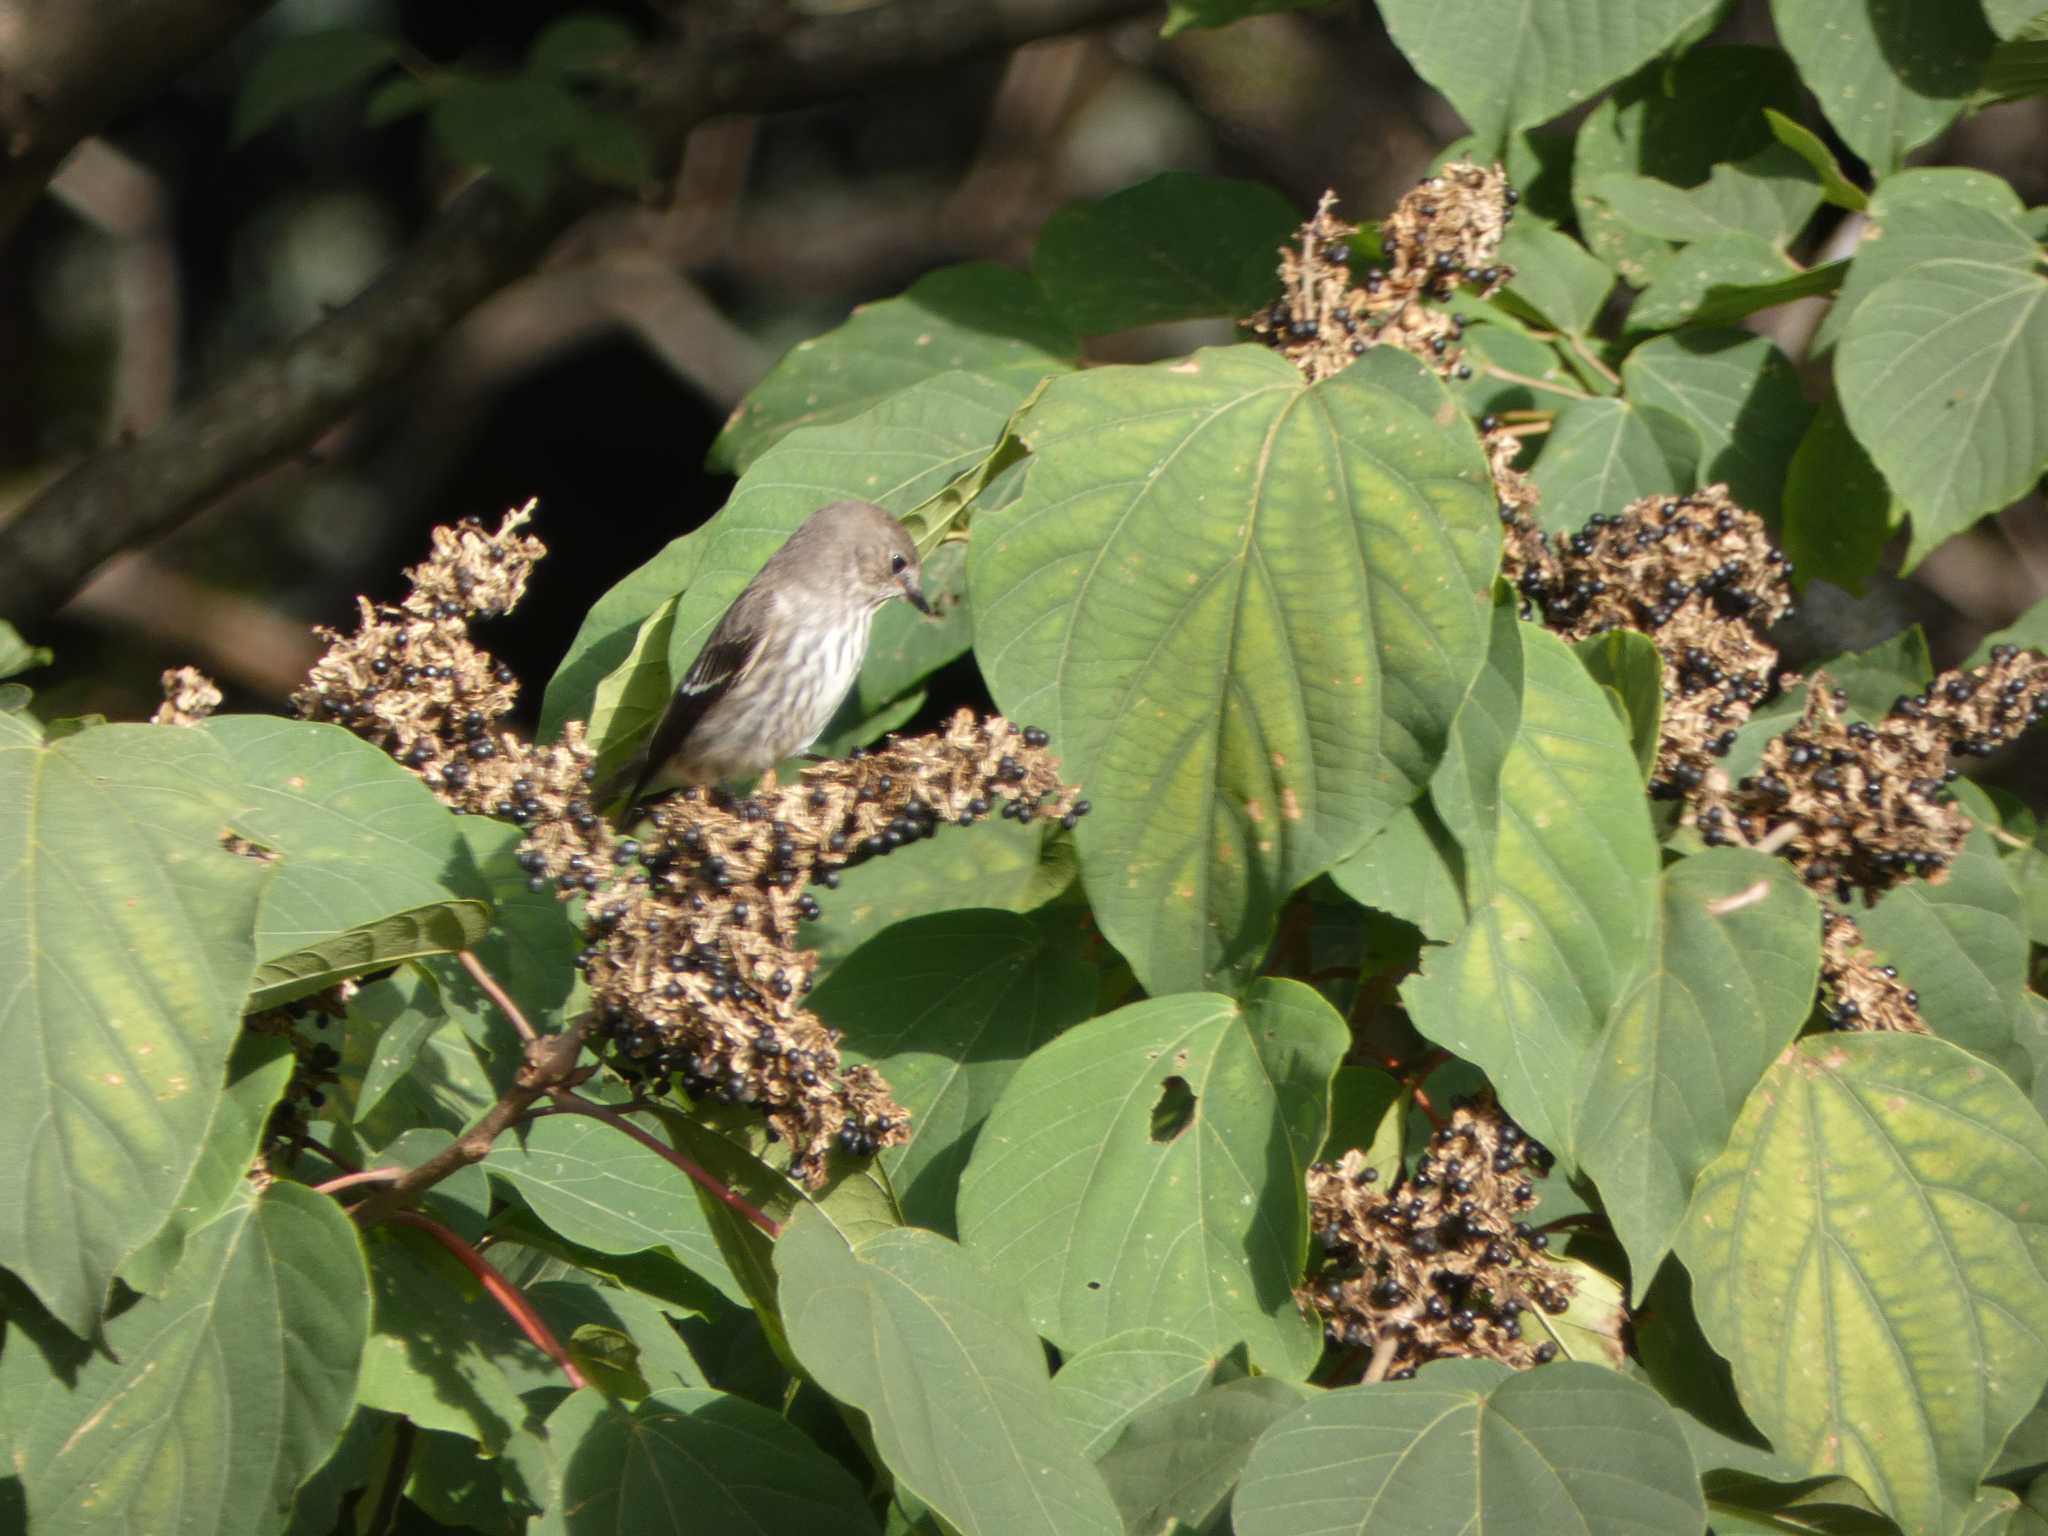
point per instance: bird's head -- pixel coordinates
(879, 550)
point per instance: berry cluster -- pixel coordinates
(1443, 235)
(1699, 576)
(695, 966)
(1858, 991)
(189, 697)
(1442, 1261)
(410, 680)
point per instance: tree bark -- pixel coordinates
(276, 403)
(69, 67)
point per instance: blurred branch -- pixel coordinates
(278, 401)
(69, 67)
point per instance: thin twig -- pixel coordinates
(366, 1176)
(1509, 376)
(571, 1103)
(312, 1144)
(1587, 357)
(501, 1290)
(1382, 1356)
(497, 994)
(1748, 896)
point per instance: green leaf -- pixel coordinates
(601, 1189)
(1941, 371)
(980, 319)
(366, 855)
(297, 71)
(211, 1404)
(1962, 945)
(1838, 512)
(1768, 197)
(1740, 394)
(514, 128)
(1919, 217)
(399, 97)
(1675, 121)
(126, 935)
(530, 949)
(1470, 1448)
(1601, 455)
(1835, 185)
(1246, 609)
(910, 1330)
(630, 700)
(659, 1353)
(1181, 1460)
(2009, 18)
(1738, 951)
(998, 864)
(1556, 279)
(1561, 869)
(1181, 14)
(16, 654)
(580, 45)
(1889, 77)
(1630, 670)
(946, 1007)
(1411, 869)
(439, 1347)
(257, 1073)
(1200, 1116)
(1875, 679)
(1721, 279)
(1517, 68)
(1882, 1196)
(1102, 1388)
(1175, 247)
(693, 1462)
(608, 146)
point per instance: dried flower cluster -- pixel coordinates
(314, 1062)
(1858, 991)
(1443, 1261)
(695, 965)
(189, 697)
(1443, 235)
(1699, 576)
(409, 678)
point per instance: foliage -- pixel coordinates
(369, 1143)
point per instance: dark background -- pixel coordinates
(598, 383)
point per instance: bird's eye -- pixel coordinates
(897, 564)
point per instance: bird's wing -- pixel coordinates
(731, 652)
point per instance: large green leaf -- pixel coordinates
(936, 1351)
(1737, 952)
(213, 1402)
(598, 1187)
(1412, 870)
(1470, 1448)
(1145, 1170)
(946, 1007)
(257, 1073)
(127, 937)
(1942, 372)
(1767, 197)
(1868, 1255)
(1888, 76)
(1556, 278)
(1561, 870)
(1722, 280)
(1506, 69)
(692, 1462)
(366, 855)
(1739, 392)
(1102, 1388)
(1922, 216)
(1246, 609)
(1180, 1460)
(1962, 945)
(1838, 512)
(1176, 247)
(1603, 454)
(980, 319)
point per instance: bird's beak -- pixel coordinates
(914, 594)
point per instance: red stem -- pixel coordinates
(366, 1176)
(497, 994)
(570, 1103)
(501, 1290)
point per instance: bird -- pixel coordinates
(781, 659)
